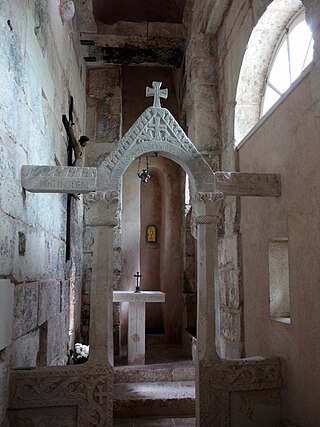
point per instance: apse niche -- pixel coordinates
(152, 224)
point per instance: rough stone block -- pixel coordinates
(110, 106)
(44, 257)
(231, 325)
(49, 300)
(203, 71)
(97, 151)
(88, 240)
(228, 251)
(87, 263)
(108, 127)
(87, 280)
(229, 288)
(204, 98)
(25, 350)
(25, 308)
(91, 123)
(4, 377)
(200, 45)
(58, 334)
(6, 312)
(7, 242)
(104, 82)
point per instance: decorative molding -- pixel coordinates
(89, 389)
(211, 197)
(156, 130)
(212, 209)
(217, 379)
(206, 219)
(104, 208)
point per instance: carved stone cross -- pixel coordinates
(156, 128)
(100, 394)
(157, 93)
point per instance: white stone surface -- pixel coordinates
(137, 320)
(58, 179)
(143, 296)
(6, 312)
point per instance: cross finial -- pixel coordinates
(157, 93)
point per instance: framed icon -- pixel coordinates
(151, 234)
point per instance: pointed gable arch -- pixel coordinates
(156, 130)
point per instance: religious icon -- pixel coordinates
(151, 234)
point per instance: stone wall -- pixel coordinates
(40, 68)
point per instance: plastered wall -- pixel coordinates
(286, 143)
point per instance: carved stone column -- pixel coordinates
(208, 208)
(103, 218)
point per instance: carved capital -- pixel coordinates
(209, 197)
(104, 208)
(209, 207)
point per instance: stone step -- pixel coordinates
(175, 371)
(154, 399)
(155, 422)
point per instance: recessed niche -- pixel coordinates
(279, 290)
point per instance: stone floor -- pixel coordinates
(160, 393)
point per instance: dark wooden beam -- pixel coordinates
(158, 44)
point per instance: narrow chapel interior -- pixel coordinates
(159, 208)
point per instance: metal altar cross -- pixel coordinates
(138, 276)
(157, 93)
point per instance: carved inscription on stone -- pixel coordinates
(58, 179)
(248, 184)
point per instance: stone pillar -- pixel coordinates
(313, 20)
(104, 112)
(208, 317)
(103, 218)
(202, 116)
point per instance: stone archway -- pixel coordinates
(156, 130)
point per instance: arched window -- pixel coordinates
(279, 47)
(293, 53)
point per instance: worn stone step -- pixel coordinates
(150, 399)
(175, 371)
(155, 422)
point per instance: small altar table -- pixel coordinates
(137, 320)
